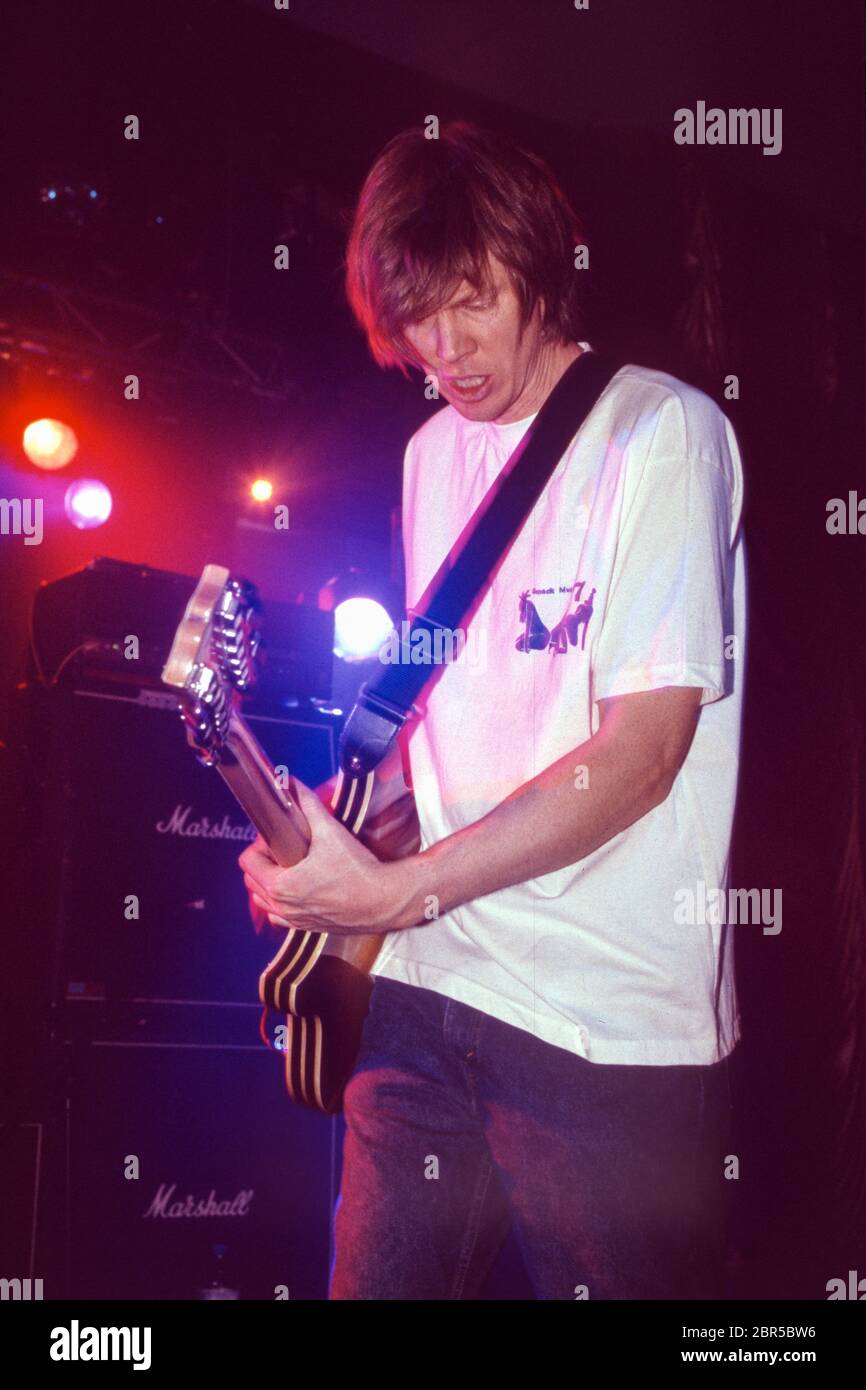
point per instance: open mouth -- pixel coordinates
(469, 388)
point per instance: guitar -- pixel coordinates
(321, 983)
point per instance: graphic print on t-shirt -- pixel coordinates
(537, 637)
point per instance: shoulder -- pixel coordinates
(670, 418)
(673, 437)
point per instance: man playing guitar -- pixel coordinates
(547, 1042)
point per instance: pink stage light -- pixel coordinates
(87, 503)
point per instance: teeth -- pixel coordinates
(467, 382)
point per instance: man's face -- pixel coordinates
(485, 364)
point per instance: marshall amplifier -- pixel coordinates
(176, 1166)
(189, 1175)
(152, 903)
(80, 627)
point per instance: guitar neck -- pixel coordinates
(253, 782)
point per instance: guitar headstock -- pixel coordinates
(213, 657)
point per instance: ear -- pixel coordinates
(541, 309)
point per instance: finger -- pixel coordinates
(311, 805)
(257, 856)
(261, 877)
(327, 829)
(255, 886)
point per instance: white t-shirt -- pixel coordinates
(635, 540)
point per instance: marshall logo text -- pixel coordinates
(162, 1204)
(179, 823)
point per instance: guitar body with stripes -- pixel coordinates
(321, 984)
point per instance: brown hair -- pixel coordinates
(430, 214)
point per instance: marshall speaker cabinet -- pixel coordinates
(173, 1163)
(188, 1167)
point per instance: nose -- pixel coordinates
(450, 341)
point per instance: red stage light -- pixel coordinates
(261, 490)
(50, 443)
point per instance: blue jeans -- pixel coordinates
(459, 1126)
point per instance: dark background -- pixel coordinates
(257, 127)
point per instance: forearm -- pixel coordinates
(575, 806)
(552, 821)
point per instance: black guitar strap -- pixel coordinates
(390, 697)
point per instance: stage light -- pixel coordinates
(87, 503)
(262, 490)
(361, 625)
(49, 443)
